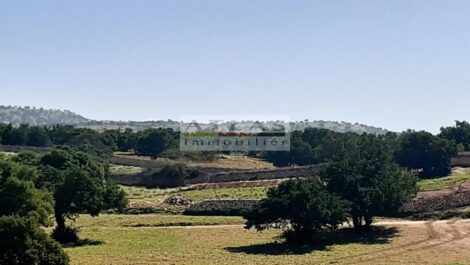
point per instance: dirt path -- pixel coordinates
(449, 238)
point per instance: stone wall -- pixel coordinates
(430, 201)
(280, 173)
(220, 207)
(461, 160)
(135, 162)
(21, 148)
(221, 177)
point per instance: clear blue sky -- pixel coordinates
(394, 64)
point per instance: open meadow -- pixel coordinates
(154, 239)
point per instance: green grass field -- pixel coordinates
(114, 239)
(193, 240)
(442, 183)
(144, 239)
(153, 220)
(228, 193)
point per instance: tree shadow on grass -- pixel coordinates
(321, 241)
(83, 242)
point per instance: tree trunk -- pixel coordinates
(60, 220)
(357, 222)
(368, 221)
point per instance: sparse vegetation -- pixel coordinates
(38, 116)
(124, 170)
(229, 193)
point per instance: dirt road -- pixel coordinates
(423, 242)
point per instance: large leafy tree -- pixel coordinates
(425, 152)
(300, 207)
(363, 173)
(80, 184)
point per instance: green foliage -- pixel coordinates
(363, 173)
(57, 159)
(153, 142)
(460, 134)
(26, 158)
(425, 152)
(15, 136)
(114, 198)
(126, 140)
(312, 146)
(19, 196)
(23, 209)
(22, 241)
(38, 136)
(301, 207)
(59, 135)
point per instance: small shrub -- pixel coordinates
(66, 236)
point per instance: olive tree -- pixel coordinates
(80, 184)
(363, 173)
(300, 207)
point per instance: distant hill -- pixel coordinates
(39, 116)
(47, 117)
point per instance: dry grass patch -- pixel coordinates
(233, 162)
(153, 220)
